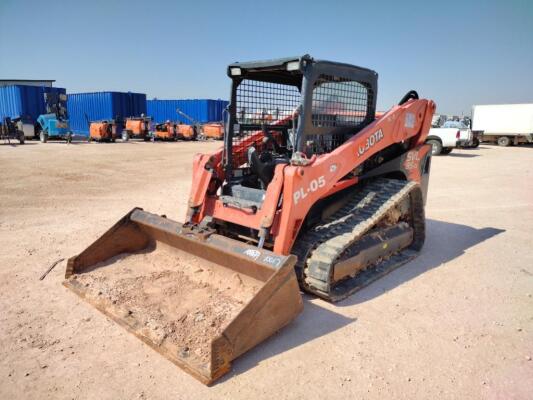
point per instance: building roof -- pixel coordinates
(27, 80)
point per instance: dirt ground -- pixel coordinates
(456, 323)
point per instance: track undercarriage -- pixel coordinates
(378, 230)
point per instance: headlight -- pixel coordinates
(293, 66)
(235, 71)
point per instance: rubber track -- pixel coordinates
(319, 248)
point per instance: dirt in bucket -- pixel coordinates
(174, 299)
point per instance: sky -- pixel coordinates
(458, 53)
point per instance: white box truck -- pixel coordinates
(504, 124)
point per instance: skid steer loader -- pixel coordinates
(309, 191)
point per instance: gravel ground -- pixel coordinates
(455, 323)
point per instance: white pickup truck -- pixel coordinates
(451, 134)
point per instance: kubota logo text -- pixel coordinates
(370, 142)
(314, 185)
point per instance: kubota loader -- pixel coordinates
(309, 191)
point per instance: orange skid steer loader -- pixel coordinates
(309, 191)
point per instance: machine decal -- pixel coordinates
(314, 185)
(252, 253)
(370, 142)
(409, 120)
(276, 261)
(412, 160)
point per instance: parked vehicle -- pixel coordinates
(137, 128)
(213, 130)
(452, 134)
(23, 104)
(165, 131)
(27, 126)
(467, 138)
(52, 127)
(16, 126)
(504, 124)
(437, 120)
(210, 130)
(188, 131)
(10, 130)
(54, 124)
(103, 131)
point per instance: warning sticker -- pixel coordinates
(409, 120)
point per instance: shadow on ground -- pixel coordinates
(475, 148)
(63, 142)
(526, 145)
(444, 242)
(463, 155)
(314, 322)
(14, 143)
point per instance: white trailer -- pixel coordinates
(504, 124)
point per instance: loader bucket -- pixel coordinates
(199, 299)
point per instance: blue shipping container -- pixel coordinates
(203, 110)
(24, 101)
(102, 105)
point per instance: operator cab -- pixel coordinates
(285, 111)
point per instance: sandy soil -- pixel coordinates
(457, 322)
